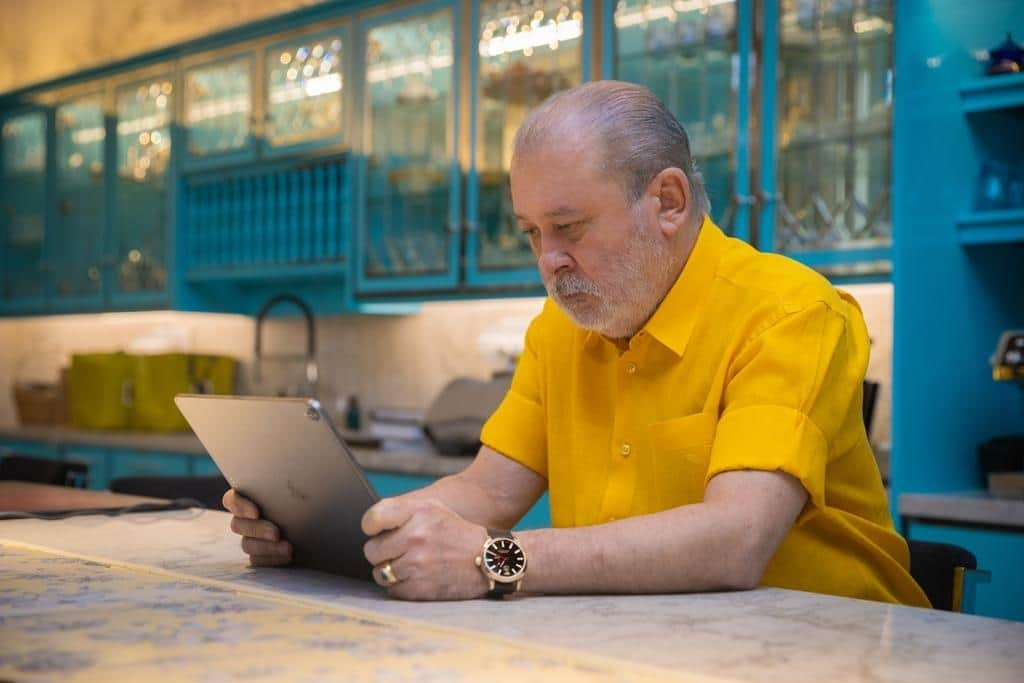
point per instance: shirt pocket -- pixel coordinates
(681, 449)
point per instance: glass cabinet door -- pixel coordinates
(144, 119)
(303, 92)
(22, 209)
(834, 133)
(409, 176)
(77, 247)
(218, 110)
(688, 54)
(525, 51)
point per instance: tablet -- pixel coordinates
(285, 455)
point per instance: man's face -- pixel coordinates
(604, 262)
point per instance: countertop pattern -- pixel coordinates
(396, 457)
(762, 635)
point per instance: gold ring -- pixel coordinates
(388, 574)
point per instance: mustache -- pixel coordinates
(569, 284)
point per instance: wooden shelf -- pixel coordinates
(993, 93)
(991, 227)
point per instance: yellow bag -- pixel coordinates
(156, 379)
(97, 390)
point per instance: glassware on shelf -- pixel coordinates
(218, 106)
(22, 208)
(686, 53)
(528, 51)
(834, 114)
(81, 213)
(144, 117)
(304, 84)
(409, 81)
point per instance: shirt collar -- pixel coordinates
(674, 319)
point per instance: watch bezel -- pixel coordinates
(497, 577)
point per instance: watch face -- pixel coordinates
(504, 559)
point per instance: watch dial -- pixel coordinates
(504, 558)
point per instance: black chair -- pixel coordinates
(207, 490)
(17, 467)
(947, 573)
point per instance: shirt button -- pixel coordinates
(631, 368)
(625, 450)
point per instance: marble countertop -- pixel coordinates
(397, 457)
(975, 507)
(761, 635)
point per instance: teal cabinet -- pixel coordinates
(145, 464)
(1000, 552)
(524, 53)
(690, 59)
(34, 448)
(76, 242)
(202, 466)
(144, 108)
(820, 82)
(218, 110)
(409, 201)
(23, 198)
(303, 92)
(97, 459)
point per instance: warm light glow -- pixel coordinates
(398, 69)
(527, 40)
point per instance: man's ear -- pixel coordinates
(672, 190)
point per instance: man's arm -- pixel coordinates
(723, 543)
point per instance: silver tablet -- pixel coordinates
(285, 455)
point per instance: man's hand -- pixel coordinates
(261, 540)
(430, 548)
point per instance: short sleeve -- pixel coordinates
(789, 392)
(518, 428)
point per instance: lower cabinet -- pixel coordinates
(141, 464)
(998, 551)
(36, 448)
(96, 459)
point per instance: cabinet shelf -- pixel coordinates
(260, 274)
(991, 227)
(993, 93)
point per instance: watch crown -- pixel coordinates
(478, 560)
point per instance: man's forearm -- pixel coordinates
(724, 542)
(691, 548)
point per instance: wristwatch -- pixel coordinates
(503, 562)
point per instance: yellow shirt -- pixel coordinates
(751, 362)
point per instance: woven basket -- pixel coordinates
(38, 403)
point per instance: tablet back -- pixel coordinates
(285, 455)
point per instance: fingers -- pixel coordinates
(267, 553)
(389, 513)
(383, 547)
(239, 505)
(255, 528)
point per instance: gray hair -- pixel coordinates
(640, 137)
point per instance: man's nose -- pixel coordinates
(552, 260)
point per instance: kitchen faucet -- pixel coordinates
(312, 370)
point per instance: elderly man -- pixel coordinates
(692, 406)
